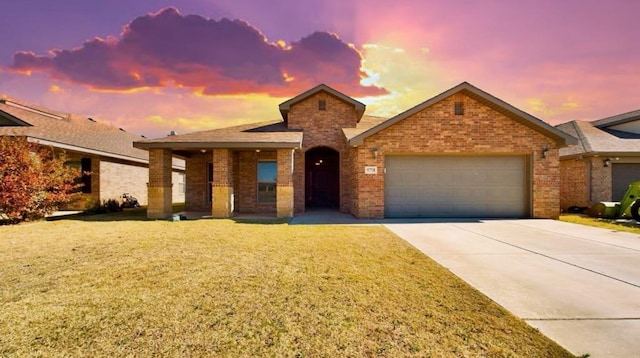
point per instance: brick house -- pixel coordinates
(604, 161)
(463, 153)
(104, 151)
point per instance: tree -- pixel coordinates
(34, 179)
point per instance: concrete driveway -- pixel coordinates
(578, 285)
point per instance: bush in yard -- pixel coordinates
(33, 180)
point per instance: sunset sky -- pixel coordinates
(153, 66)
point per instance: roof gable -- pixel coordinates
(482, 97)
(359, 107)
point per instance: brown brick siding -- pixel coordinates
(574, 183)
(247, 185)
(197, 182)
(322, 128)
(436, 130)
(601, 179)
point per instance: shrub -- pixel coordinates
(33, 180)
(108, 206)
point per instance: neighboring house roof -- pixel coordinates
(285, 106)
(69, 132)
(598, 141)
(617, 119)
(273, 134)
(482, 97)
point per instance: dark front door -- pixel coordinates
(322, 174)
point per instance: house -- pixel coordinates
(462, 153)
(105, 154)
(604, 162)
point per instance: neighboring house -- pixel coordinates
(603, 163)
(463, 153)
(105, 154)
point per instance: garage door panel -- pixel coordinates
(455, 187)
(623, 174)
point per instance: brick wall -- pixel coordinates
(197, 182)
(574, 183)
(436, 130)
(117, 178)
(601, 178)
(247, 185)
(322, 128)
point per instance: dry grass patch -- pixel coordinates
(612, 224)
(220, 288)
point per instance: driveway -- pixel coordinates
(578, 285)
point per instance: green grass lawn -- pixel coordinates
(110, 285)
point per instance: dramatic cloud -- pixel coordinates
(214, 57)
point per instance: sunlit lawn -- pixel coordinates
(131, 287)
(625, 225)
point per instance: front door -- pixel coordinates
(322, 174)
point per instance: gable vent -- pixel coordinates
(458, 108)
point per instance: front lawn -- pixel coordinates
(612, 224)
(119, 287)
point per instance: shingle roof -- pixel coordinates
(482, 97)
(273, 134)
(68, 130)
(593, 140)
(365, 124)
(617, 119)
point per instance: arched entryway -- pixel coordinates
(322, 178)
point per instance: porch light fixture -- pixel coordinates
(606, 162)
(544, 152)
(375, 152)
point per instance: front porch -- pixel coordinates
(225, 182)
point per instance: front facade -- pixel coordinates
(104, 154)
(604, 162)
(463, 153)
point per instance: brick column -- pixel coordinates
(159, 187)
(222, 191)
(284, 188)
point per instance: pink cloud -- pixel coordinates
(215, 57)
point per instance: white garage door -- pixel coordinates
(450, 187)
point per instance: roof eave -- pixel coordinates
(216, 145)
(85, 150)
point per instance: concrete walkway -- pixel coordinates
(578, 285)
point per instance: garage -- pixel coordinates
(623, 174)
(456, 187)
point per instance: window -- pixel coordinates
(182, 188)
(85, 164)
(322, 105)
(209, 181)
(459, 108)
(267, 175)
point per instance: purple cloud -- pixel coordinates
(217, 57)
